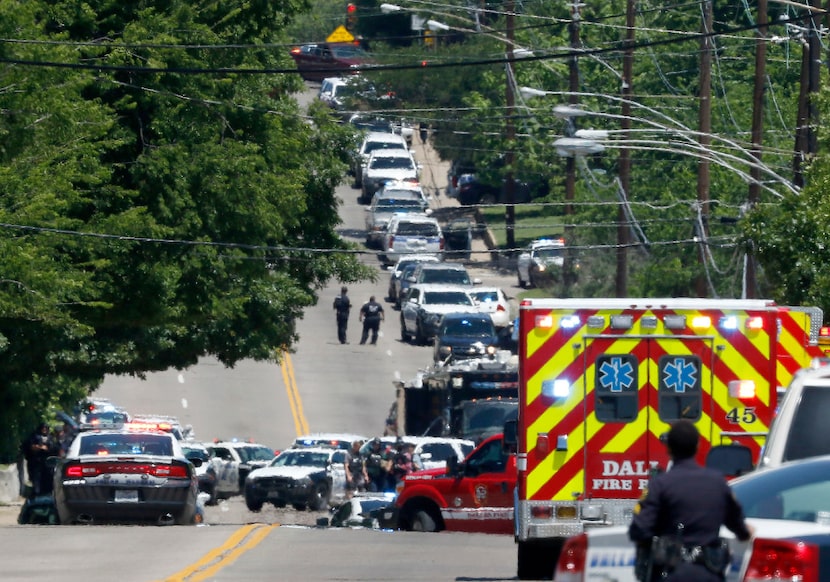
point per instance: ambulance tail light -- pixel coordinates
(742, 389)
(571, 564)
(789, 560)
(541, 512)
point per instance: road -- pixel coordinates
(321, 386)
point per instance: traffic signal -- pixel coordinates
(351, 16)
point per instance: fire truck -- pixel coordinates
(468, 398)
(600, 380)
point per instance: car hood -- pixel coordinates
(292, 472)
(391, 174)
(465, 340)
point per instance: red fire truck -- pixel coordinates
(600, 381)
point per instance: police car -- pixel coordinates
(334, 440)
(305, 478)
(788, 506)
(432, 452)
(233, 460)
(539, 259)
(126, 475)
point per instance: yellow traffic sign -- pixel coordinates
(340, 34)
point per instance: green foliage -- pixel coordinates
(151, 218)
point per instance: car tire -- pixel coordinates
(423, 521)
(253, 503)
(404, 334)
(299, 506)
(420, 338)
(320, 498)
(213, 499)
(537, 561)
(522, 284)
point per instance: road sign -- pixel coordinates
(340, 34)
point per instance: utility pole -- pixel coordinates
(806, 143)
(705, 131)
(570, 161)
(750, 274)
(625, 153)
(510, 134)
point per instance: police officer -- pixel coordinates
(342, 306)
(688, 503)
(371, 314)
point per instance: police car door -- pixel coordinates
(337, 472)
(227, 470)
(634, 387)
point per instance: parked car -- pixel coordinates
(312, 478)
(317, 61)
(384, 166)
(492, 300)
(432, 452)
(117, 476)
(396, 282)
(411, 234)
(233, 460)
(786, 505)
(371, 123)
(444, 274)
(462, 336)
(456, 170)
(425, 305)
(381, 212)
(403, 190)
(539, 260)
(374, 140)
(333, 91)
(798, 429)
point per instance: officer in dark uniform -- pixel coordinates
(371, 314)
(342, 306)
(687, 505)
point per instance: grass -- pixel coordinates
(531, 222)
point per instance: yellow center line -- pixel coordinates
(243, 539)
(294, 400)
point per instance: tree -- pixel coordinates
(153, 217)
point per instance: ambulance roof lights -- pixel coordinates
(596, 321)
(622, 321)
(648, 322)
(701, 322)
(728, 323)
(543, 321)
(824, 335)
(755, 322)
(569, 322)
(742, 389)
(674, 321)
(557, 389)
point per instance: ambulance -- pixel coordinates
(600, 380)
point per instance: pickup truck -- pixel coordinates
(475, 495)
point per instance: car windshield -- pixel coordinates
(447, 276)
(301, 459)
(382, 145)
(551, 253)
(468, 327)
(417, 229)
(248, 454)
(126, 444)
(799, 492)
(389, 204)
(392, 164)
(447, 298)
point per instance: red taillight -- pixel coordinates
(391, 242)
(441, 243)
(782, 560)
(455, 181)
(571, 564)
(95, 469)
(500, 308)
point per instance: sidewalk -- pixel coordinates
(434, 183)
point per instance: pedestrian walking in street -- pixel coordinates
(342, 307)
(371, 314)
(676, 523)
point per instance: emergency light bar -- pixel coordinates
(742, 389)
(556, 389)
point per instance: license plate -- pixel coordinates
(126, 495)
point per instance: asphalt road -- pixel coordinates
(322, 386)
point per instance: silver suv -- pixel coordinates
(408, 234)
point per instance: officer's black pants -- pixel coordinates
(370, 325)
(687, 572)
(342, 325)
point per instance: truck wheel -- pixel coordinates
(404, 333)
(423, 521)
(521, 283)
(320, 498)
(299, 506)
(420, 338)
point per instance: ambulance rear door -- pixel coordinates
(634, 387)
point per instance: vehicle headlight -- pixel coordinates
(540, 266)
(444, 351)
